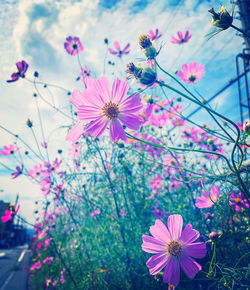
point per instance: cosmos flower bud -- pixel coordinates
(222, 19)
(147, 47)
(213, 236)
(143, 74)
(29, 123)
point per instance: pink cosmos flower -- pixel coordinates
(154, 35)
(181, 39)
(73, 45)
(178, 122)
(44, 145)
(173, 248)
(8, 150)
(102, 106)
(35, 172)
(238, 201)
(22, 67)
(208, 198)
(48, 260)
(118, 50)
(95, 212)
(9, 214)
(37, 265)
(85, 72)
(156, 183)
(191, 73)
(39, 245)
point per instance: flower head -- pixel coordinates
(118, 51)
(238, 201)
(73, 45)
(22, 67)
(154, 35)
(8, 150)
(19, 171)
(141, 73)
(104, 106)
(191, 73)
(9, 214)
(208, 198)
(173, 248)
(181, 38)
(147, 46)
(222, 19)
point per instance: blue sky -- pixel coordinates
(35, 30)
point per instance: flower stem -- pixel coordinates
(240, 30)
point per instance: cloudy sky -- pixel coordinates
(35, 30)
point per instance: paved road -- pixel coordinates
(12, 264)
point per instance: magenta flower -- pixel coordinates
(238, 201)
(8, 214)
(178, 121)
(22, 67)
(48, 260)
(154, 35)
(8, 150)
(191, 73)
(102, 106)
(19, 171)
(73, 45)
(118, 50)
(85, 72)
(35, 266)
(173, 248)
(208, 198)
(35, 172)
(156, 183)
(181, 39)
(95, 212)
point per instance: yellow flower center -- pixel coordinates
(237, 200)
(111, 110)
(174, 248)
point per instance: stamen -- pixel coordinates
(111, 110)
(174, 248)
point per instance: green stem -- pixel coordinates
(240, 30)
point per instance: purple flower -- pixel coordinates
(173, 248)
(159, 212)
(19, 171)
(238, 201)
(22, 67)
(102, 106)
(73, 45)
(208, 198)
(118, 50)
(191, 73)
(181, 39)
(154, 35)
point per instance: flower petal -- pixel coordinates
(189, 266)
(75, 132)
(116, 131)
(156, 263)
(189, 235)
(97, 127)
(131, 121)
(152, 245)
(117, 45)
(172, 272)
(119, 90)
(131, 104)
(175, 223)
(197, 250)
(160, 231)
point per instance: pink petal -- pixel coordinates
(175, 223)
(75, 132)
(197, 250)
(156, 263)
(112, 51)
(131, 104)
(189, 266)
(131, 121)
(117, 45)
(189, 235)
(103, 89)
(97, 127)
(152, 245)
(87, 113)
(116, 131)
(160, 231)
(172, 272)
(179, 33)
(119, 90)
